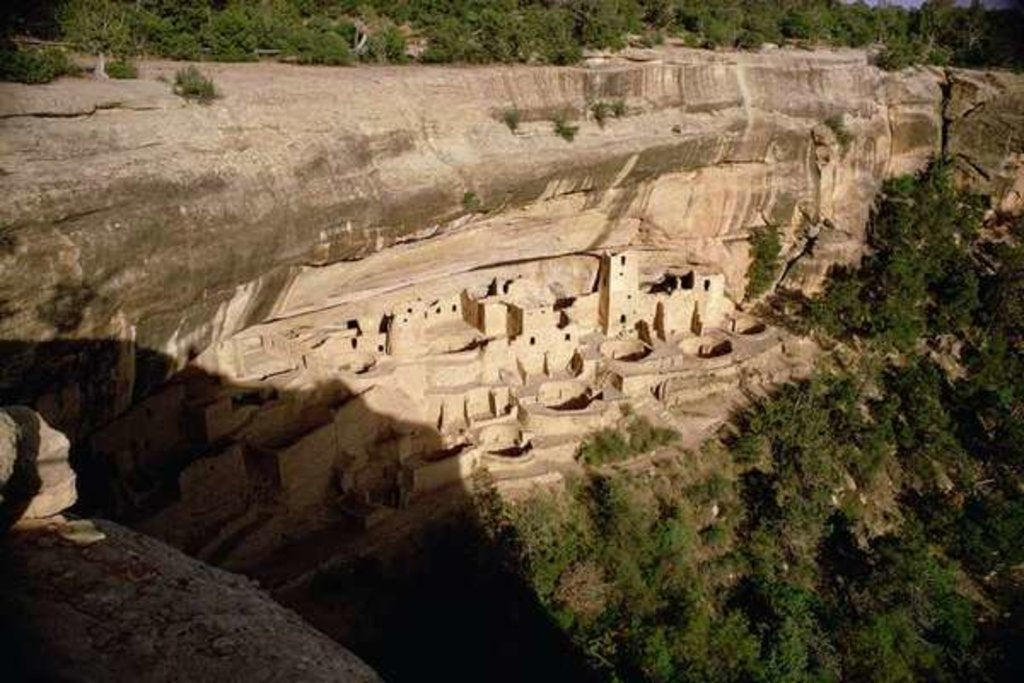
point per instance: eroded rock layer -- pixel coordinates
(131, 215)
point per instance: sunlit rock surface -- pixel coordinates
(130, 214)
(36, 479)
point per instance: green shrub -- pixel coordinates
(310, 46)
(604, 446)
(191, 84)
(841, 311)
(714, 535)
(643, 436)
(604, 24)
(715, 487)
(720, 33)
(123, 69)
(548, 35)
(797, 24)
(602, 110)
(34, 66)
(898, 55)
(232, 35)
(651, 39)
(563, 128)
(448, 41)
(180, 46)
(343, 28)
(749, 449)
(612, 445)
(749, 40)
(512, 117)
(98, 27)
(842, 133)
(387, 44)
(766, 245)
(471, 202)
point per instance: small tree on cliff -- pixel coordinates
(99, 27)
(765, 247)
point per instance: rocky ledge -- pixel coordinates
(98, 602)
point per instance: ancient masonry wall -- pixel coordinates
(370, 405)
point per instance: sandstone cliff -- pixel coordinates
(128, 214)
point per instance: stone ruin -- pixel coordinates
(364, 406)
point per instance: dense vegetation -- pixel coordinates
(478, 31)
(35, 66)
(612, 445)
(866, 524)
(765, 247)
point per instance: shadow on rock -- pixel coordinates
(306, 489)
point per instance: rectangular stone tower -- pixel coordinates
(619, 287)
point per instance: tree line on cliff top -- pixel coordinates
(508, 31)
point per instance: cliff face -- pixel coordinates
(985, 133)
(129, 214)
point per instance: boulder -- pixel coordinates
(36, 479)
(8, 450)
(93, 601)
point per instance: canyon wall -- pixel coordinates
(137, 228)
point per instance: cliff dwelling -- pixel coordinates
(588, 340)
(360, 408)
